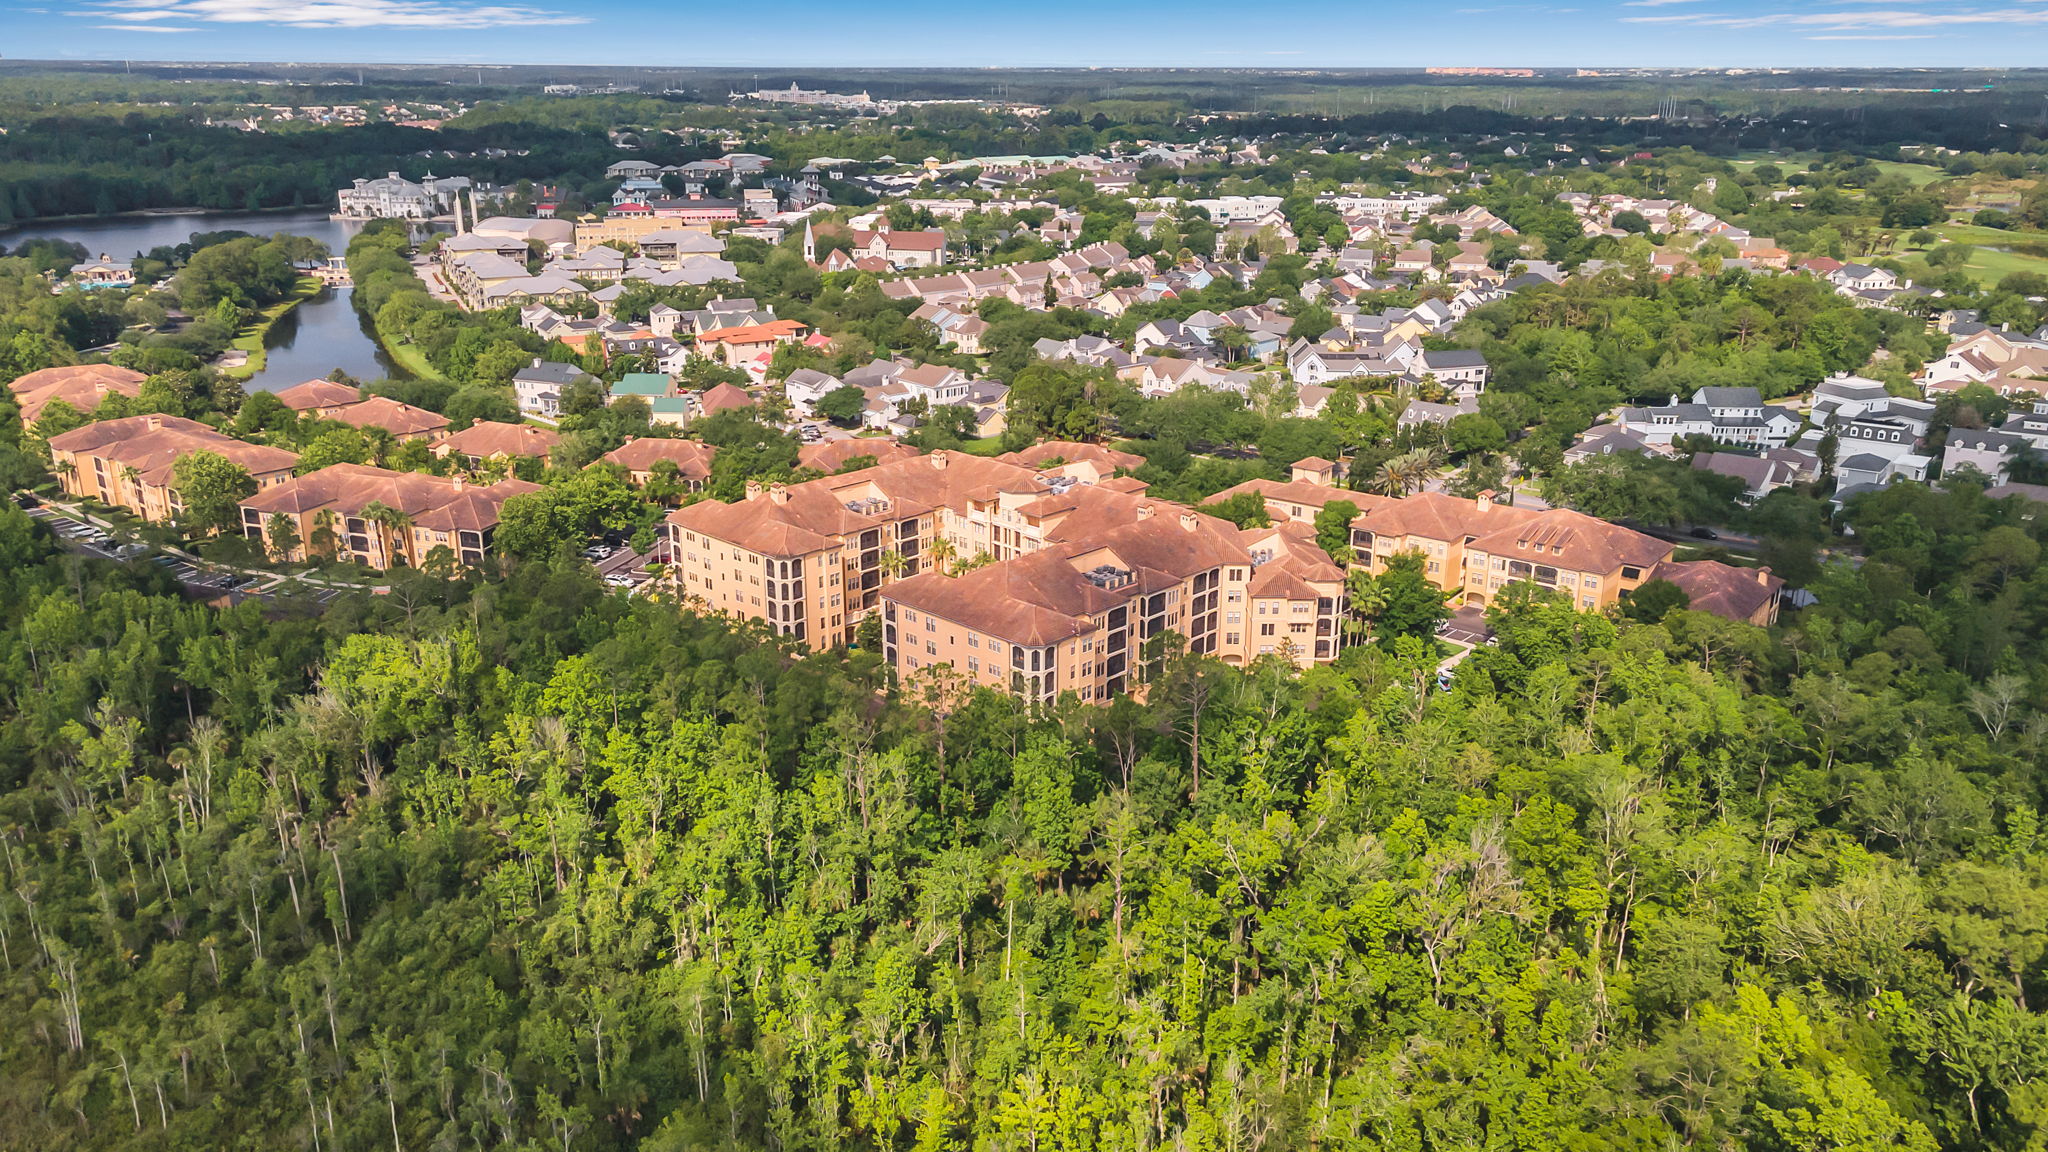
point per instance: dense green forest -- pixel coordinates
(515, 861)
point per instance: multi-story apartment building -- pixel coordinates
(1477, 547)
(379, 517)
(129, 462)
(812, 559)
(1077, 616)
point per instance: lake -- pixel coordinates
(315, 338)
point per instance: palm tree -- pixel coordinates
(393, 521)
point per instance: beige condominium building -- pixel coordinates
(1076, 616)
(130, 462)
(1476, 547)
(379, 517)
(1076, 577)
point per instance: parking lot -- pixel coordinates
(620, 566)
(1466, 626)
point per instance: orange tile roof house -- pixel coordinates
(82, 386)
(129, 462)
(488, 439)
(326, 509)
(403, 421)
(319, 397)
(722, 398)
(735, 346)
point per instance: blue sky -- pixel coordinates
(1196, 33)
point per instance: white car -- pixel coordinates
(619, 580)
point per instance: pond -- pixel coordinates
(317, 337)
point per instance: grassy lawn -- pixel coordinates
(410, 358)
(250, 339)
(1990, 267)
(1920, 175)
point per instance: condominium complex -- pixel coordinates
(1476, 547)
(378, 517)
(1115, 566)
(129, 462)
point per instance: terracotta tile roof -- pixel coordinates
(1102, 456)
(1036, 599)
(318, 394)
(831, 455)
(347, 489)
(82, 386)
(721, 397)
(1563, 538)
(152, 444)
(394, 417)
(1722, 589)
(1439, 516)
(692, 458)
(487, 438)
(751, 333)
(1299, 569)
(1302, 492)
(803, 518)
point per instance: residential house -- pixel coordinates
(1764, 473)
(541, 386)
(1988, 450)
(1725, 415)
(102, 273)
(737, 347)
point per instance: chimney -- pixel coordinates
(755, 488)
(939, 458)
(1187, 521)
(536, 361)
(392, 175)
(155, 423)
(777, 494)
(1483, 499)
(457, 481)
(1763, 575)
(1144, 511)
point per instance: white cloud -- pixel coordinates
(143, 28)
(1657, 3)
(330, 13)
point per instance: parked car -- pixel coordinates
(1704, 534)
(619, 580)
(28, 500)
